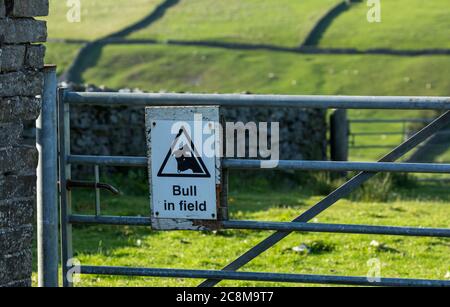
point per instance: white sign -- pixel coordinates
(183, 178)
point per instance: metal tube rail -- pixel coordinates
(237, 100)
(262, 276)
(375, 133)
(338, 166)
(339, 228)
(399, 121)
(110, 220)
(303, 165)
(47, 188)
(280, 226)
(108, 160)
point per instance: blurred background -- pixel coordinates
(318, 47)
(326, 47)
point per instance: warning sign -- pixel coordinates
(189, 163)
(183, 177)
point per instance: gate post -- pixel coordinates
(339, 132)
(47, 188)
(64, 194)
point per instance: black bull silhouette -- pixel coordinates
(186, 160)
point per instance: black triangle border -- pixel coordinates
(200, 160)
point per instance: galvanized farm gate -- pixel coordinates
(403, 132)
(55, 121)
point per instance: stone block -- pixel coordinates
(29, 8)
(2, 9)
(16, 212)
(18, 284)
(20, 160)
(14, 186)
(34, 57)
(13, 240)
(10, 134)
(23, 83)
(19, 108)
(15, 267)
(12, 57)
(22, 30)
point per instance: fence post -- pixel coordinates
(47, 186)
(339, 134)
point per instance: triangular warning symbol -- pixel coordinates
(183, 160)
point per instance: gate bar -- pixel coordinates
(237, 100)
(47, 188)
(304, 165)
(334, 196)
(281, 226)
(110, 220)
(339, 228)
(108, 160)
(391, 120)
(339, 166)
(262, 276)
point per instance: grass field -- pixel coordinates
(405, 24)
(61, 54)
(331, 254)
(98, 18)
(194, 69)
(444, 157)
(283, 22)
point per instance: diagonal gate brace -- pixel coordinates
(336, 195)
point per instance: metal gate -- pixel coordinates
(66, 99)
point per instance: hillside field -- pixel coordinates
(202, 70)
(98, 18)
(280, 23)
(405, 24)
(150, 59)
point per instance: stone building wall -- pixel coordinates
(21, 81)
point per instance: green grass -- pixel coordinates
(405, 24)
(173, 68)
(281, 22)
(332, 254)
(61, 54)
(444, 157)
(192, 69)
(98, 18)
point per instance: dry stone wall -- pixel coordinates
(120, 130)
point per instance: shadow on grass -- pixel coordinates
(427, 191)
(325, 22)
(90, 53)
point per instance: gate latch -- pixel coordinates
(70, 184)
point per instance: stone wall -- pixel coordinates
(21, 81)
(120, 131)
